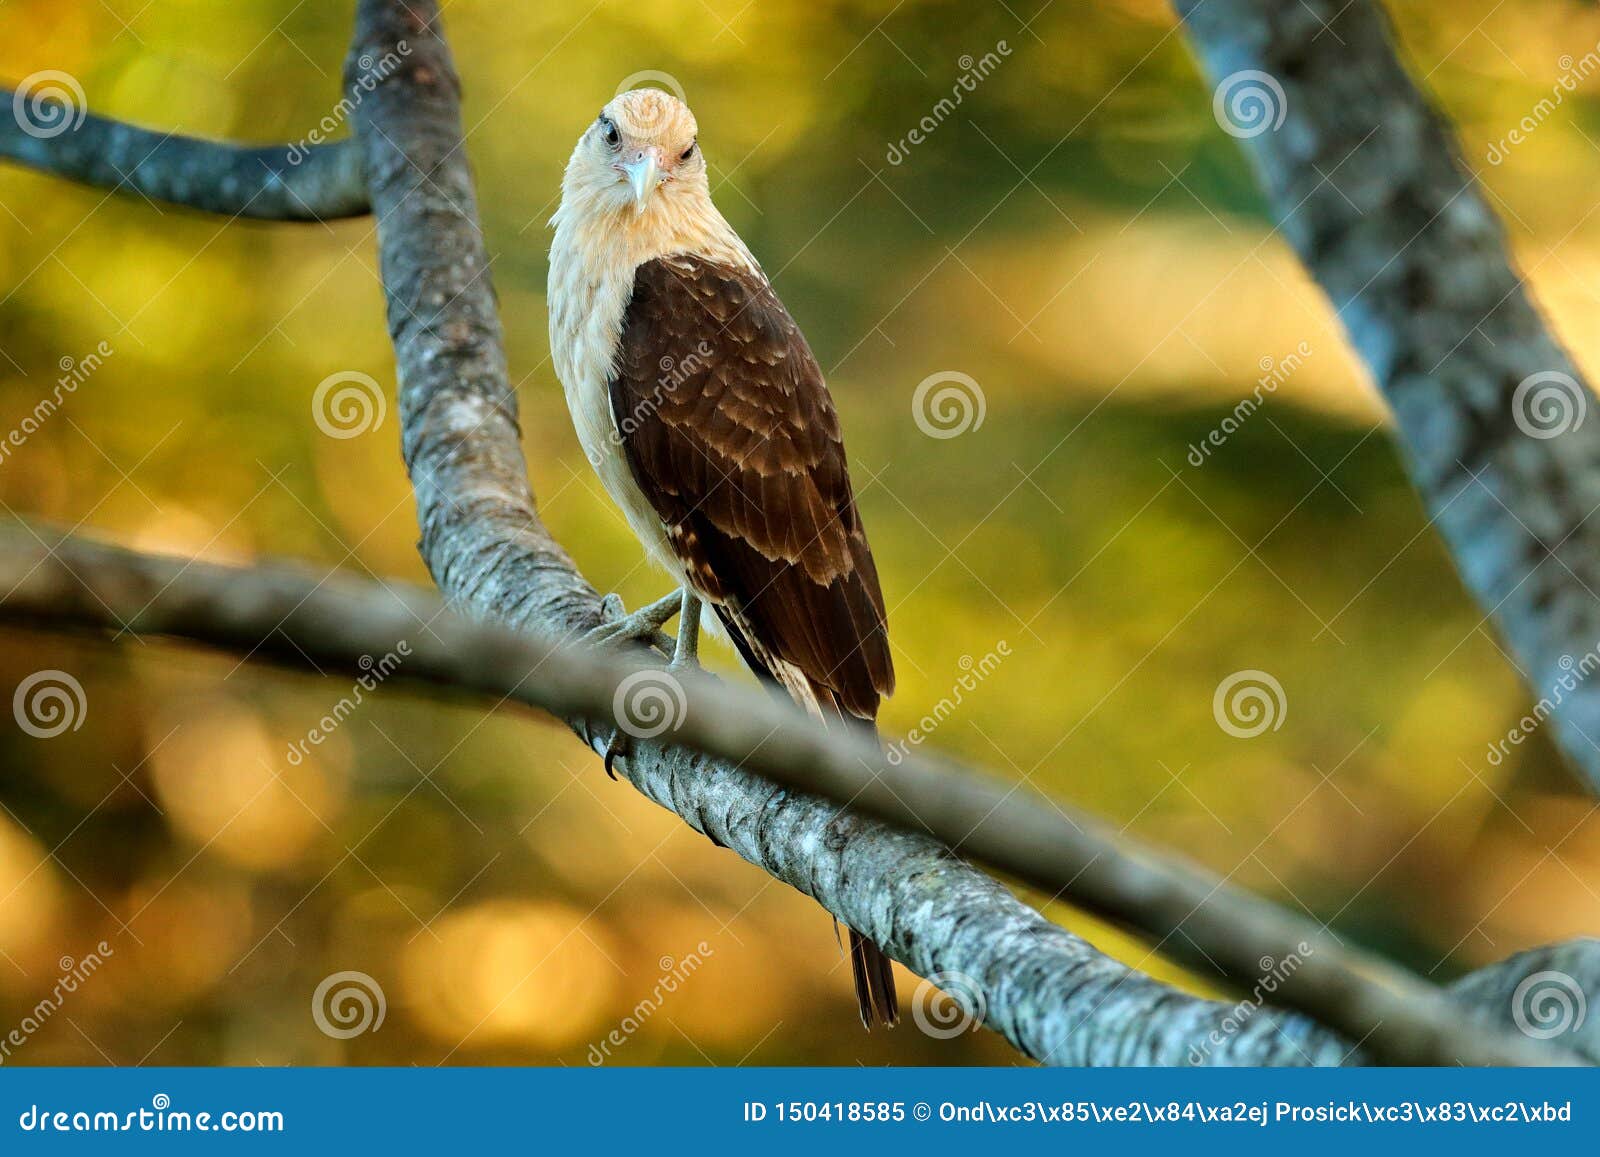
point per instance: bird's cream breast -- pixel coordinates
(586, 302)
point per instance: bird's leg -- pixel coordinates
(643, 625)
(685, 655)
(687, 652)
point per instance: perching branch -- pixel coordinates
(1366, 185)
(276, 183)
(1048, 990)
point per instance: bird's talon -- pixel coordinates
(617, 627)
(620, 747)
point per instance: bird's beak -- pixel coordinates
(643, 174)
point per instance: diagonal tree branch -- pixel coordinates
(274, 183)
(1042, 986)
(1364, 180)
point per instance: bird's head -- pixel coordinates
(640, 154)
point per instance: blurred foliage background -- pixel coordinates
(1078, 236)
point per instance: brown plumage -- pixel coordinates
(731, 435)
(729, 432)
(706, 416)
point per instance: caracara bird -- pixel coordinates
(701, 406)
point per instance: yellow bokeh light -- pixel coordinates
(226, 786)
(29, 893)
(503, 972)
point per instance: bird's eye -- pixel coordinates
(688, 152)
(609, 132)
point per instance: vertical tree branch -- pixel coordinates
(1497, 425)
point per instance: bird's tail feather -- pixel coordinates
(874, 976)
(869, 964)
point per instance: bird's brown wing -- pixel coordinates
(728, 429)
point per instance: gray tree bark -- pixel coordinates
(1047, 990)
(275, 183)
(1497, 425)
